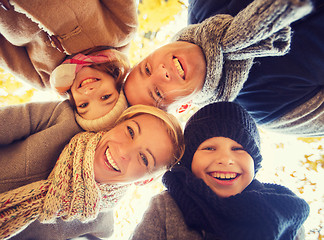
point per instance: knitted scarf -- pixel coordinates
(70, 192)
(230, 44)
(261, 211)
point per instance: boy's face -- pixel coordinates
(94, 93)
(224, 166)
(174, 70)
(132, 150)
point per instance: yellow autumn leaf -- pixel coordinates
(310, 139)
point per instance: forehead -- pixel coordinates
(219, 140)
(154, 136)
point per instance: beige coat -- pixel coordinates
(26, 28)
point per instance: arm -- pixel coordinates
(20, 121)
(152, 226)
(199, 10)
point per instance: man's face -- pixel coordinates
(172, 71)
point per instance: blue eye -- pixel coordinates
(209, 148)
(147, 70)
(105, 97)
(83, 105)
(238, 149)
(131, 132)
(158, 94)
(144, 159)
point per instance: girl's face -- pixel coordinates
(94, 93)
(224, 166)
(132, 150)
(174, 70)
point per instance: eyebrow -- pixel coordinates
(140, 69)
(82, 112)
(148, 150)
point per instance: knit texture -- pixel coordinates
(261, 211)
(231, 43)
(63, 75)
(107, 121)
(222, 119)
(70, 192)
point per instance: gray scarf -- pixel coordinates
(231, 43)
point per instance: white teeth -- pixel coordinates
(91, 80)
(111, 161)
(178, 67)
(223, 175)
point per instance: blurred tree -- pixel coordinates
(297, 163)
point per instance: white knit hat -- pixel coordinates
(107, 121)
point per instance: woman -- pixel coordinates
(104, 164)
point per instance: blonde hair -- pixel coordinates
(170, 122)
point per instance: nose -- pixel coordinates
(163, 73)
(88, 90)
(224, 158)
(127, 151)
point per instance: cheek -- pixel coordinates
(197, 166)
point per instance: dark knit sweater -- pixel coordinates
(261, 211)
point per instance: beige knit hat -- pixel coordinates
(107, 121)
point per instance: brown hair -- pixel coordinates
(118, 67)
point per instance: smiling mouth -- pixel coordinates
(88, 81)
(179, 67)
(110, 163)
(224, 176)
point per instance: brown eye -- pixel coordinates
(83, 105)
(105, 97)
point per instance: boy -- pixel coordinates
(213, 194)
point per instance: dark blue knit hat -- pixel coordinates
(222, 119)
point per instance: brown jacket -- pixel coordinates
(31, 32)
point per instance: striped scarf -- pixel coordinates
(70, 192)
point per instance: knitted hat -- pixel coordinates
(107, 121)
(222, 119)
(231, 43)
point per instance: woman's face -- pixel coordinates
(94, 93)
(174, 70)
(133, 150)
(224, 166)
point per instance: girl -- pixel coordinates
(93, 81)
(96, 169)
(213, 194)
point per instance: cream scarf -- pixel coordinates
(70, 192)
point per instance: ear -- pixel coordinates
(143, 182)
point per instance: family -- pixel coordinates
(244, 63)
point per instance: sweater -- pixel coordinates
(25, 47)
(285, 93)
(32, 146)
(29, 149)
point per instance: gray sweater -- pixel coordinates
(164, 220)
(32, 136)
